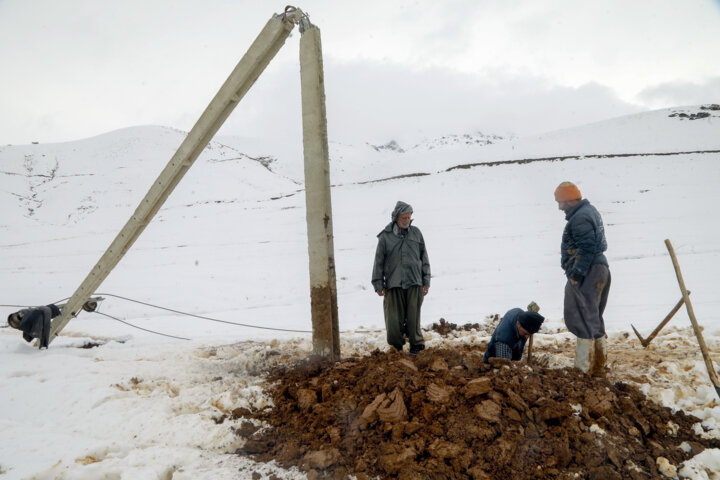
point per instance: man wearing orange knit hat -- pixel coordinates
(586, 292)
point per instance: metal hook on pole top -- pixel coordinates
(298, 17)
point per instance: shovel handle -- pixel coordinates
(530, 344)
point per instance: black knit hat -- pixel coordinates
(531, 321)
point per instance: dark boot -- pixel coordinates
(415, 349)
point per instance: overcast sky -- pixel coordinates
(404, 70)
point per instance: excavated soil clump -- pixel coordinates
(443, 327)
(446, 414)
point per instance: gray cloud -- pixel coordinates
(376, 102)
(415, 68)
(682, 93)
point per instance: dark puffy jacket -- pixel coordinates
(506, 332)
(401, 259)
(583, 240)
(35, 323)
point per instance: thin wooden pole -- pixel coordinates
(530, 344)
(693, 320)
(646, 341)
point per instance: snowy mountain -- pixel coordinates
(244, 199)
(230, 243)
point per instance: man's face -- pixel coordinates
(567, 205)
(523, 333)
(403, 220)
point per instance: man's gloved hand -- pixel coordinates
(576, 277)
(533, 307)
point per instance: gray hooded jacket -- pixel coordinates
(401, 259)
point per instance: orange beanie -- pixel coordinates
(567, 191)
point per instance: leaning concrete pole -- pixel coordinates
(247, 71)
(323, 290)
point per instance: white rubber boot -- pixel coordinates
(583, 350)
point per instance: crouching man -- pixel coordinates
(508, 339)
(34, 323)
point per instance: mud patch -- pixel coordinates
(445, 414)
(323, 303)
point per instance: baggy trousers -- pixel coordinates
(402, 315)
(584, 306)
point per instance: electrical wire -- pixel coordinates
(179, 312)
(217, 320)
(201, 316)
(140, 328)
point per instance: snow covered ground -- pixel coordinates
(230, 244)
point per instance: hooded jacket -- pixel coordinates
(401, 259)
(583, 240)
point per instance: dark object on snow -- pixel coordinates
(34, 322)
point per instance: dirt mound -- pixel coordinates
(446, 414)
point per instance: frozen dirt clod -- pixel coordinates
(376, 417)
(444, 327)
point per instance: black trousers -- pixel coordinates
(402, 315)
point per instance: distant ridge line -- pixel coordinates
(506, 162)
(571, 157)
(396, 177)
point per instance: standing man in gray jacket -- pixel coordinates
(401, 274)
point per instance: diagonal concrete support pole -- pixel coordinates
(323, 289)
(247, 71)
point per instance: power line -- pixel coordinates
(140, 328)
(201, 316)
(179, 312)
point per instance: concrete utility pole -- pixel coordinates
(323, 289)
(247, 71)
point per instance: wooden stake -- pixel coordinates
(646, 341)
(529, 356)
(691, 314)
